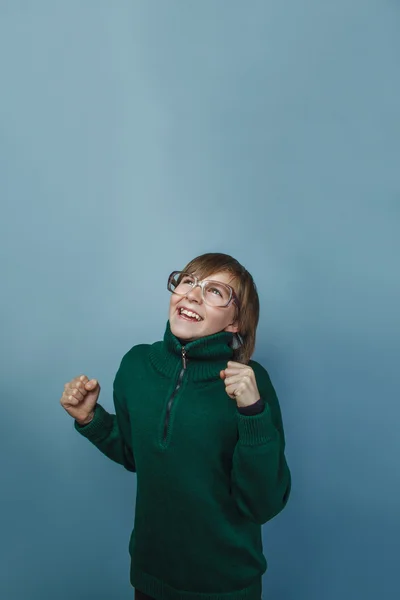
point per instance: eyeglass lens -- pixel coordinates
(214, 294)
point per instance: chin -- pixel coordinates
(183, 332)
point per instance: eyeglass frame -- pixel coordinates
(201, 284)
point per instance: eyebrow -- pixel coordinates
(208, 278)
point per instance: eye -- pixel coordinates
(187, 280)
(215, 291)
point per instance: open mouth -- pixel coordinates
(189, 315)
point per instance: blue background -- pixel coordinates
(135, 135)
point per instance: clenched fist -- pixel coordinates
(80, 397)
(240, 383)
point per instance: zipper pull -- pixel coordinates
(183, 357)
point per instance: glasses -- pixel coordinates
(214, 293)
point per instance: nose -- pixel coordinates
(195, 294)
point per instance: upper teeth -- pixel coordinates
(189, 313)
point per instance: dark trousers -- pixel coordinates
(140, 596)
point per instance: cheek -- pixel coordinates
(225, 319)
(215, 318)
(172, 303)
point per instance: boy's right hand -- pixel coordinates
(80, 397)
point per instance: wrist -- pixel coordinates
(86, 421)
(245, 403)
(252, 409)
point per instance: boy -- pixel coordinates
(200, 424)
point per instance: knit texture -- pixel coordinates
(208, 476)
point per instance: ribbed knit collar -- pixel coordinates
(205, 356)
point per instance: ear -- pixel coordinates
(233, 327)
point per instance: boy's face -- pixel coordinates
(213, 319)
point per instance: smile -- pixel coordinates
(189, 315)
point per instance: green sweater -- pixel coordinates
(208, 477)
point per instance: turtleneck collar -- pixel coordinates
(205, 357)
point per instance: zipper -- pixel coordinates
(171, 399)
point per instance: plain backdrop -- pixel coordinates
(135, 135)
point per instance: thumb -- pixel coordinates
(222, 374)
(90, 385)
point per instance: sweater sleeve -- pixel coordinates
(261, 479)
(111, 433)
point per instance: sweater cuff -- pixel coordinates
(257, 430)
(252, 409)
(99, 427)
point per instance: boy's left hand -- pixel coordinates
(240, 383)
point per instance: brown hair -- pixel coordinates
(247, 315)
